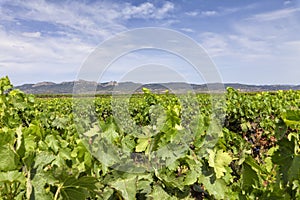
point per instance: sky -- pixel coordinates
(249, 41)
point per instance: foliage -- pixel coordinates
(149, 146)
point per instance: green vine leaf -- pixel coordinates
(219, 161)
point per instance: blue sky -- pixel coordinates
(250, 41)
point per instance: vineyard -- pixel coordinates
(150, 147)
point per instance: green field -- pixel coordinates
(245, 146)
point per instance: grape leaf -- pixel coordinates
(12, 176)
(249, 178)
(78, 189)
(127, 187)
(159, 193)
(219, 161)
(9, 163)
(142, 144)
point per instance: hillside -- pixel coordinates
(127, 87)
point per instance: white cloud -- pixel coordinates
(215, 44)
(221, 11)
(265, 46)
(189, 30)
(253, 40)
(32, 34)
(57, 50)
(244, 46)
(192, 13)
(141, 11)
(147, 10)
(99, 19)
(48, 37)
(24, 57)
(168, 23)
(162, 12)
(224, 11)
(275, 15)
(249, 49)
(209, 13)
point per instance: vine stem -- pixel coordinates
(57, 192)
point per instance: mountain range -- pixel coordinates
(89, 87)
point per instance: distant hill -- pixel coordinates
(89, 87)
